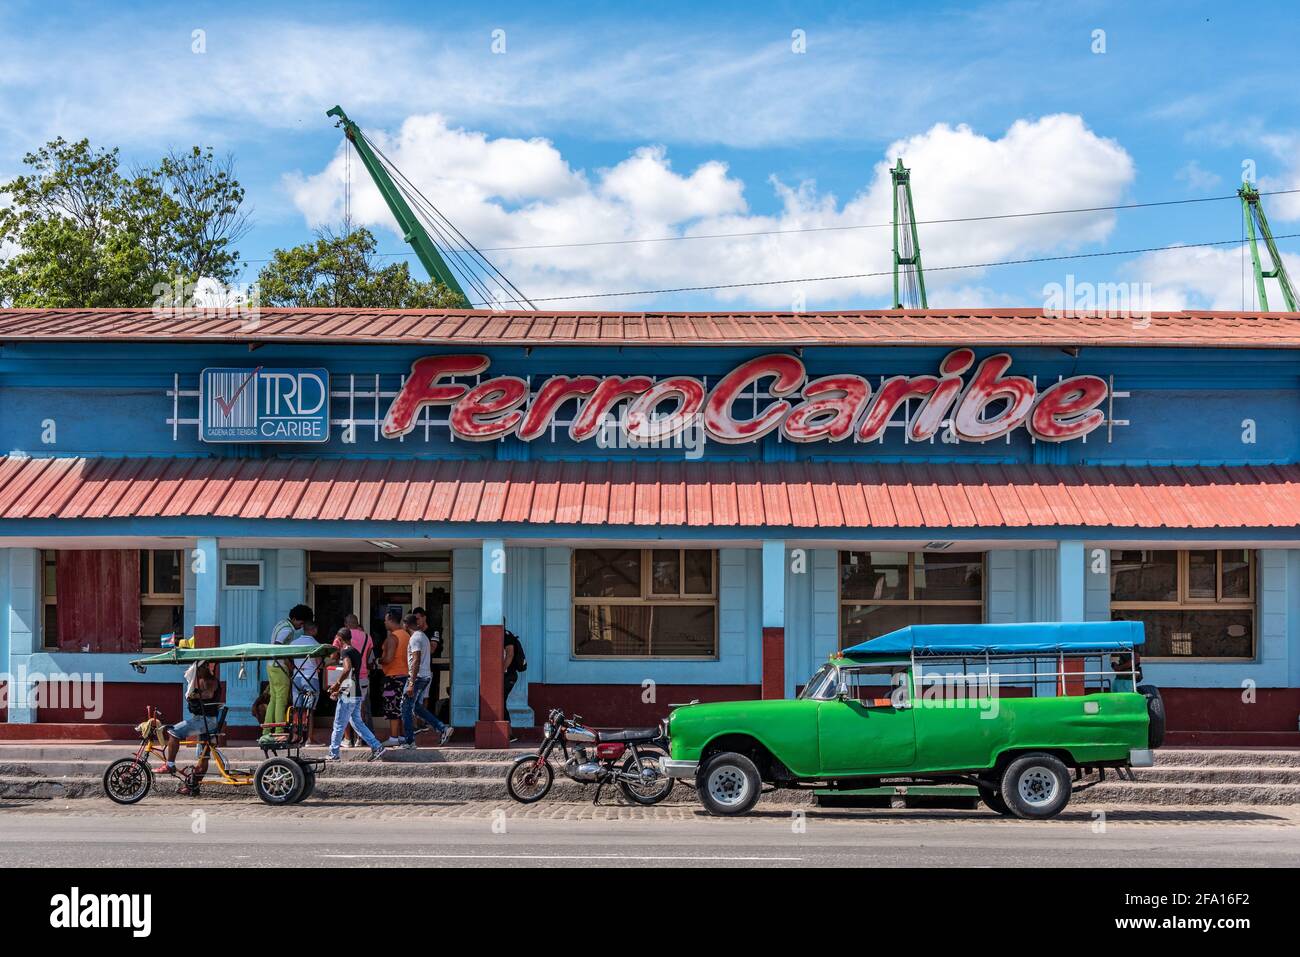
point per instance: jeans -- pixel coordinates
(347, 711)
(413, 705)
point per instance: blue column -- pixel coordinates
(773, 584)
(24, 631)
(206, 561)
(1070, 580)
(492, 604)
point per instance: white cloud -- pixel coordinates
(1196, 177)
(511, 192)
(1183, 277)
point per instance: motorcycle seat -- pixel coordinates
(629, 734)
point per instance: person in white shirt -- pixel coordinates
(419, 675)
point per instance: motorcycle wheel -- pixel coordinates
(648, 792)
(528, 781)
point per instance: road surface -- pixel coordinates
(167, 832)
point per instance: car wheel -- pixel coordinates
(729, 784)
(308, 784)
(1155, 714)
(1036, 786)
(279, 781)
(992, 799)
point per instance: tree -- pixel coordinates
(83, 234)
(342, 271)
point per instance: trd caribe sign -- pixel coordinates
(987, 405)
(264, 405)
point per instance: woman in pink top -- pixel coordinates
(364, 644)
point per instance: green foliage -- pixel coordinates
(343, 271)
(79, 232)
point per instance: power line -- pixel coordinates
(871, 275)
(851, 226)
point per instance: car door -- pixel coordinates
(869, 727)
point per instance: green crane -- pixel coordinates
(416, 216)
(1252, 210)
(907, 244)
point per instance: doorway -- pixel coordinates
(376, 588)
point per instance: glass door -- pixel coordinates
(437, 602)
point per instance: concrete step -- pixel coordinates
(53, 769)
(104, 752)
(1229, 757)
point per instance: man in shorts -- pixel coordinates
(201, 690)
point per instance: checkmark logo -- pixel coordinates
(227, 404)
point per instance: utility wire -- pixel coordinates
(851, 226)
(889, 272)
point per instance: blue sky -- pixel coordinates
(695, 119)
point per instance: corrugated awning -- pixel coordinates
(700, 494)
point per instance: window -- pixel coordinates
(883, 591)
(1198, 603)
(162, 598)
(645, 603)
(875, 686)
(237, 575)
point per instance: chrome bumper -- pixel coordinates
(678, 769)
(1141, 758)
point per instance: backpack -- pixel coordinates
(521, 661)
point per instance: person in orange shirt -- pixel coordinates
(393, 660)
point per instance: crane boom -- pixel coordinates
(413, 232)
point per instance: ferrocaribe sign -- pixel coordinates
(980, 403)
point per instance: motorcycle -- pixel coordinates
(628, 758)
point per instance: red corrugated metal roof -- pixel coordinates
(670, 494)
(469, 328)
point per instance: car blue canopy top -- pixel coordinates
(1026, 638)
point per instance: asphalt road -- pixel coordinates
(169, 833)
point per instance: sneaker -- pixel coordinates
(391, 743)
(332, 757)
(423, 728)
(447, 732)
(349, 744)
(408, 745)
(376, 753)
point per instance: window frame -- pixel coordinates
(1186, 603)
(647, 597)
(261, 574)
(153, 598)
(911, 600)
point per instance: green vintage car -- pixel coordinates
(1028, 713)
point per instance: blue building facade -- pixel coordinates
(145, 493)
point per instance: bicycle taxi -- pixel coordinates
(284, 776)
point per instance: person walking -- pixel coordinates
(393, 660)
(514, 661)
(346, 692)
(417, 686)
(283, 632)
(365, 647)
(435, 669)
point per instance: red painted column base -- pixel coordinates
(773, 663)
(492, 730)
